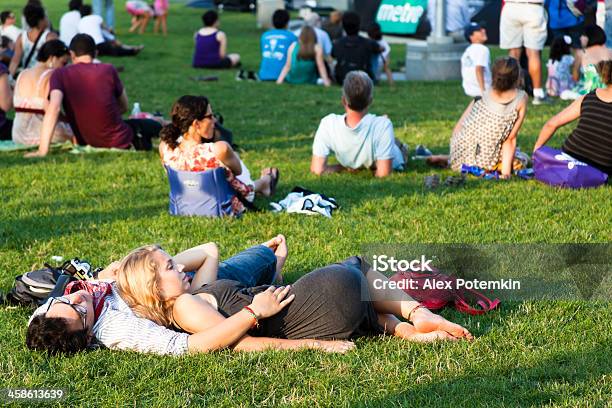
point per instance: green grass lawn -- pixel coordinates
(100, 206)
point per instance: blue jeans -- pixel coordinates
(252, 267)
(102, 6)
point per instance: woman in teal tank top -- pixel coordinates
(304, 61)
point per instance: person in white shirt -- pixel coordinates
(93, 25)
(69, 23)
(358, 139)
(8, 27)
(314, 20)
(457, 17)
(475, 70)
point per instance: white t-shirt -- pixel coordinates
(69, 26)
(92, 25)
(372, 139)
(475, 55)
(11, 32)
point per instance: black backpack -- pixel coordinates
(34, 288)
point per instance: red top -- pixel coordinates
(91, 103)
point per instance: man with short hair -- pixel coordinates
(357, 138)
(353, 52)
(274, 46)
(523, 24)
(69, 23)
(93, 99)
(8, 27)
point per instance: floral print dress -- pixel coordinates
(201, 157)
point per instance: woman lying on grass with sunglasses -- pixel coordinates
(324, 309)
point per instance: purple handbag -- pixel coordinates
(557, 168)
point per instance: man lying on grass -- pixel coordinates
(323, 310)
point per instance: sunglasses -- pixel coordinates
(80, 309)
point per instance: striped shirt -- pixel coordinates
(119, 328)
(591, 141)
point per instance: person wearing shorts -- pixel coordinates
(523, 24)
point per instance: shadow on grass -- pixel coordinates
(21, 232)
(523, 385)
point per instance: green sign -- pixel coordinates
(400, 16)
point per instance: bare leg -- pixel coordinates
(439, 160)
(535, 67)
(515, 53)
(262, 185)
(396, 302)
(135, 24)
(279, 245)
(404, 330)
(144, 22)
(235, 58)
(156, 25)
(164, 23)
(266, 184)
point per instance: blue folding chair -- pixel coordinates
(203, 193)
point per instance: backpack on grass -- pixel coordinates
(34, 288)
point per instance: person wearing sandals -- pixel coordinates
(324, 309)
(185, 146)
(358, 139)
(485, 135)
(31, 96)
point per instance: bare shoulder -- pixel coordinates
(187, 302)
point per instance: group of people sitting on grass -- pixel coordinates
(84, 101)
(305, 56)
(148, 303)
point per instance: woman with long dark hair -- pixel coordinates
(186, 144)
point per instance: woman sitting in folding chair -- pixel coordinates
(186, 145)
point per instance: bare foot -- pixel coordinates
(407, 331)
(426, 322)
(279, 245)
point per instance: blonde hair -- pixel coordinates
(138, 285)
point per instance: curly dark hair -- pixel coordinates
(51, 334)
(506, 74)
(184, 111)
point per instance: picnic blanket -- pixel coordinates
(10, 146)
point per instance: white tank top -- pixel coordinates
(27, 45)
